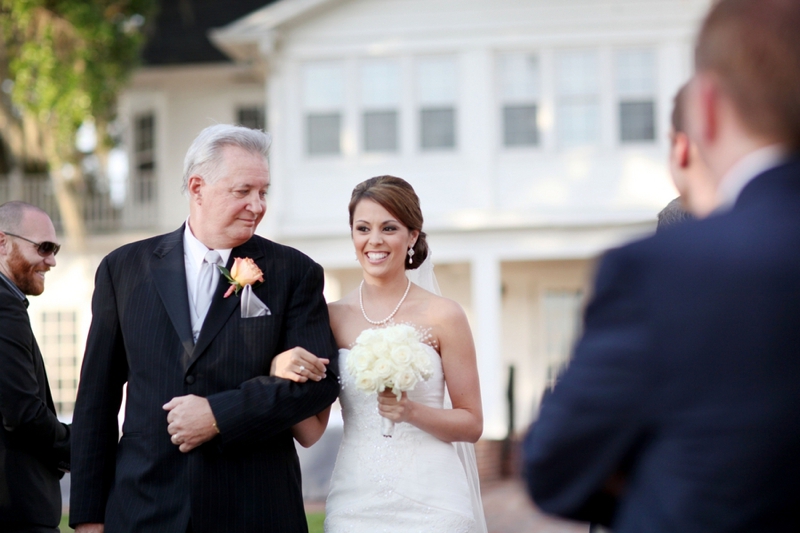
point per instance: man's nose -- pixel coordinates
(257, 204)
(50, 260)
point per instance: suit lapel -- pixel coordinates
(168, 268)
(222, 308)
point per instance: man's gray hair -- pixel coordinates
(11, 214)
(672, 214)
(204, 157)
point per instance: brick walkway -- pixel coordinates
(508, 510)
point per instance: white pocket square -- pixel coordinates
(251, 305)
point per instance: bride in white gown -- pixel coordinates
(423, 478)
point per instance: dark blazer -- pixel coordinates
(33, 443)
(248, 477)
(687, 379)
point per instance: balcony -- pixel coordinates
(104, 211)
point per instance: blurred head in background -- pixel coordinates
(690, 174)
(744, 93)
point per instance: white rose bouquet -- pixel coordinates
(389, 358)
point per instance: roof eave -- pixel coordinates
(254, 35)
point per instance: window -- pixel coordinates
(519, 78)
(143, 183)
(437, 128)
(323, 100)
(380, 99)
(252, 117)
(437, 92)
(578, 98)
(562, 320)
(636, 88)
(323, 130)
(59, 345)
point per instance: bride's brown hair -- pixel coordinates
(397, 196)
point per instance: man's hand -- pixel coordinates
(90, 528)
(191, 421)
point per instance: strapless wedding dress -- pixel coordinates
(412, 482)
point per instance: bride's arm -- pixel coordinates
(309, 431)
(301, 365)
(464, 422)
(298, 364)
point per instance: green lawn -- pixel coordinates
(315, 521)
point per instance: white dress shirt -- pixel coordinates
(743, 172)
(194, 252)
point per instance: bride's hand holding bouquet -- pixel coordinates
(394, 409)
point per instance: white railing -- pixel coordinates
(138, 211)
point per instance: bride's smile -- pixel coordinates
(376, 257)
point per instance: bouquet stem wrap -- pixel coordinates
(387, 427)
(389, 358)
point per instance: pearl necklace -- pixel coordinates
(388, 318)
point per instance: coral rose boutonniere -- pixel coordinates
(243, 273)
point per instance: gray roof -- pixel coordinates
(179, 32)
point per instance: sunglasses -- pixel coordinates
(44, 249)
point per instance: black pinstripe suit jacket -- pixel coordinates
(248, 478)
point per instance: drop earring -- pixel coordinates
(410, 256)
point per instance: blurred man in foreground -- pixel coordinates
(679, 409)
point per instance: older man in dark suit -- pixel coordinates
(680, 404)
(206, 444)
(34, 445)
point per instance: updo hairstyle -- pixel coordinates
(397, 196)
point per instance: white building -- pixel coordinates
(534, 132)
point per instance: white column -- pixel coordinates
(477, 125)
(280, 103)
(486, 310)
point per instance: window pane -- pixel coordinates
(380, 131)
(323, 86)
(637, 121)
(380, 84)
(323, 133)
(437, 81)
(578, 123)
(578, 108)
(251, 117)
(636, 73)
(438, 128)
(519, 125)
(144, 133)
(143, 180)
(519, 78)
(59, 350)
(577, 73)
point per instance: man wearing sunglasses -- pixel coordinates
(34, 445)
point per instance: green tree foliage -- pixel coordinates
(68, 60)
